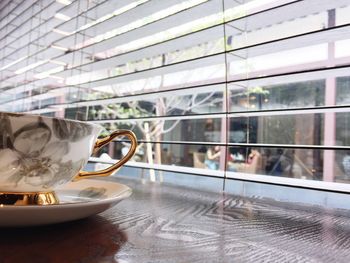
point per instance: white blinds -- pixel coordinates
(272, 75)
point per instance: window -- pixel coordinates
(248, 89)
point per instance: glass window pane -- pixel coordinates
(297, 163)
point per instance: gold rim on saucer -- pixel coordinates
(20, 198)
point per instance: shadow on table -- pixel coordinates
(90, 240)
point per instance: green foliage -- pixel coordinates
(257, 90)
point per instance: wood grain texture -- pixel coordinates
(164, 223)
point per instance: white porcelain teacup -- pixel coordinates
(38, 154)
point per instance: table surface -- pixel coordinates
(165, 223)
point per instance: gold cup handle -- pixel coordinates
(101, 142)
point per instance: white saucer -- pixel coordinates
(77, 200)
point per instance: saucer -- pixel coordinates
(77, 200)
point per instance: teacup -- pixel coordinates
(39, 154)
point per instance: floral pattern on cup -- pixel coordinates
(70, 131)
(33, 153)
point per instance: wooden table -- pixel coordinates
(164, 223)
